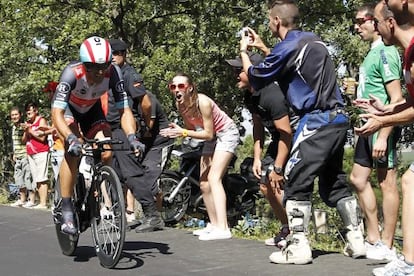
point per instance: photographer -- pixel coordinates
(269, 110)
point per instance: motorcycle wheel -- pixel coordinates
(173, 212)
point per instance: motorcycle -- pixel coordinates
(181, 193)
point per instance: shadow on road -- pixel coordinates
(134, 253)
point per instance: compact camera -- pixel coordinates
(244, 33)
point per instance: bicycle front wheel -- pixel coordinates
(109, 225)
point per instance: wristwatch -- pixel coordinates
(278, 170)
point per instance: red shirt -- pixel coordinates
(34, 146)
(408, 60)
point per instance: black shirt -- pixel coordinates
(270, 104)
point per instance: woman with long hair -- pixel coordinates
(203, 119)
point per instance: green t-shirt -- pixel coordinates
(381, 65)
(19, 148)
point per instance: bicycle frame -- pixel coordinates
(100, 205)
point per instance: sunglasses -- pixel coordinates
(96, 66)
(361, 20)
(180, 86)
(118, 53)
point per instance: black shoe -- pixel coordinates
(150, 224)
(68, 223)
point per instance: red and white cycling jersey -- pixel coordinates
(73, 88)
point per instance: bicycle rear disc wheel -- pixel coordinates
(109, 225)
(67, 243)
(173, 212)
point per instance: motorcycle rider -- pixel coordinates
(269, 110)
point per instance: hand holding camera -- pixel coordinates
(245, 36)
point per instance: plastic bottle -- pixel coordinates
(85, 168)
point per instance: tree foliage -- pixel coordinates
(39, 37)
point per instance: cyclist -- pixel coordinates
(76, 109)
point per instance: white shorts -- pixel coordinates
(226, 140)
(39, 166)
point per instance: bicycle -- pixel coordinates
(99, 203)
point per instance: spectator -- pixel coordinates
(403, 11)
(140, 177)
(203, 119)
(379, 75)
(392, 115)
(57, 147)
(306, 74)
(38, 153)
(22, 175)
(269, 110)
(77, 98)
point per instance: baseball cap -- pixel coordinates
(255, 59)
(118, 45)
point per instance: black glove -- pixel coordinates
(136, 145)
(75, 146)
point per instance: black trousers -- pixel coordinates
(140, 178)
(319, 154)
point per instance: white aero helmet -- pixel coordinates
(95, 50)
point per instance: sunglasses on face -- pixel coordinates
(180, 86)
(361, 20)
(118, 53)
(96, 66)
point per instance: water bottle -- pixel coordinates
(85, 168)
(201, 223)
(192, 222)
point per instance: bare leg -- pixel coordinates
(130, 199)
(23, 194)
(390, 203)
(32, 196)
(407, 215)
(367, 200)
(275, 201)
(42, 188)
(206, 190)
(218, 167)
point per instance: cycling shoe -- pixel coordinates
(68, 224)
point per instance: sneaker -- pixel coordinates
(40, 207)
(354, 246)
(297, 251)
(17, 203)
(379, 251)
(397, 267)
(106, 213)
(130, 217)
(29, 204)
(280, 239)
(209, 227)
(216, 234)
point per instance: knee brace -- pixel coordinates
(299, 213)
(348, 209)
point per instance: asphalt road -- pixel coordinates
(28, 246)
